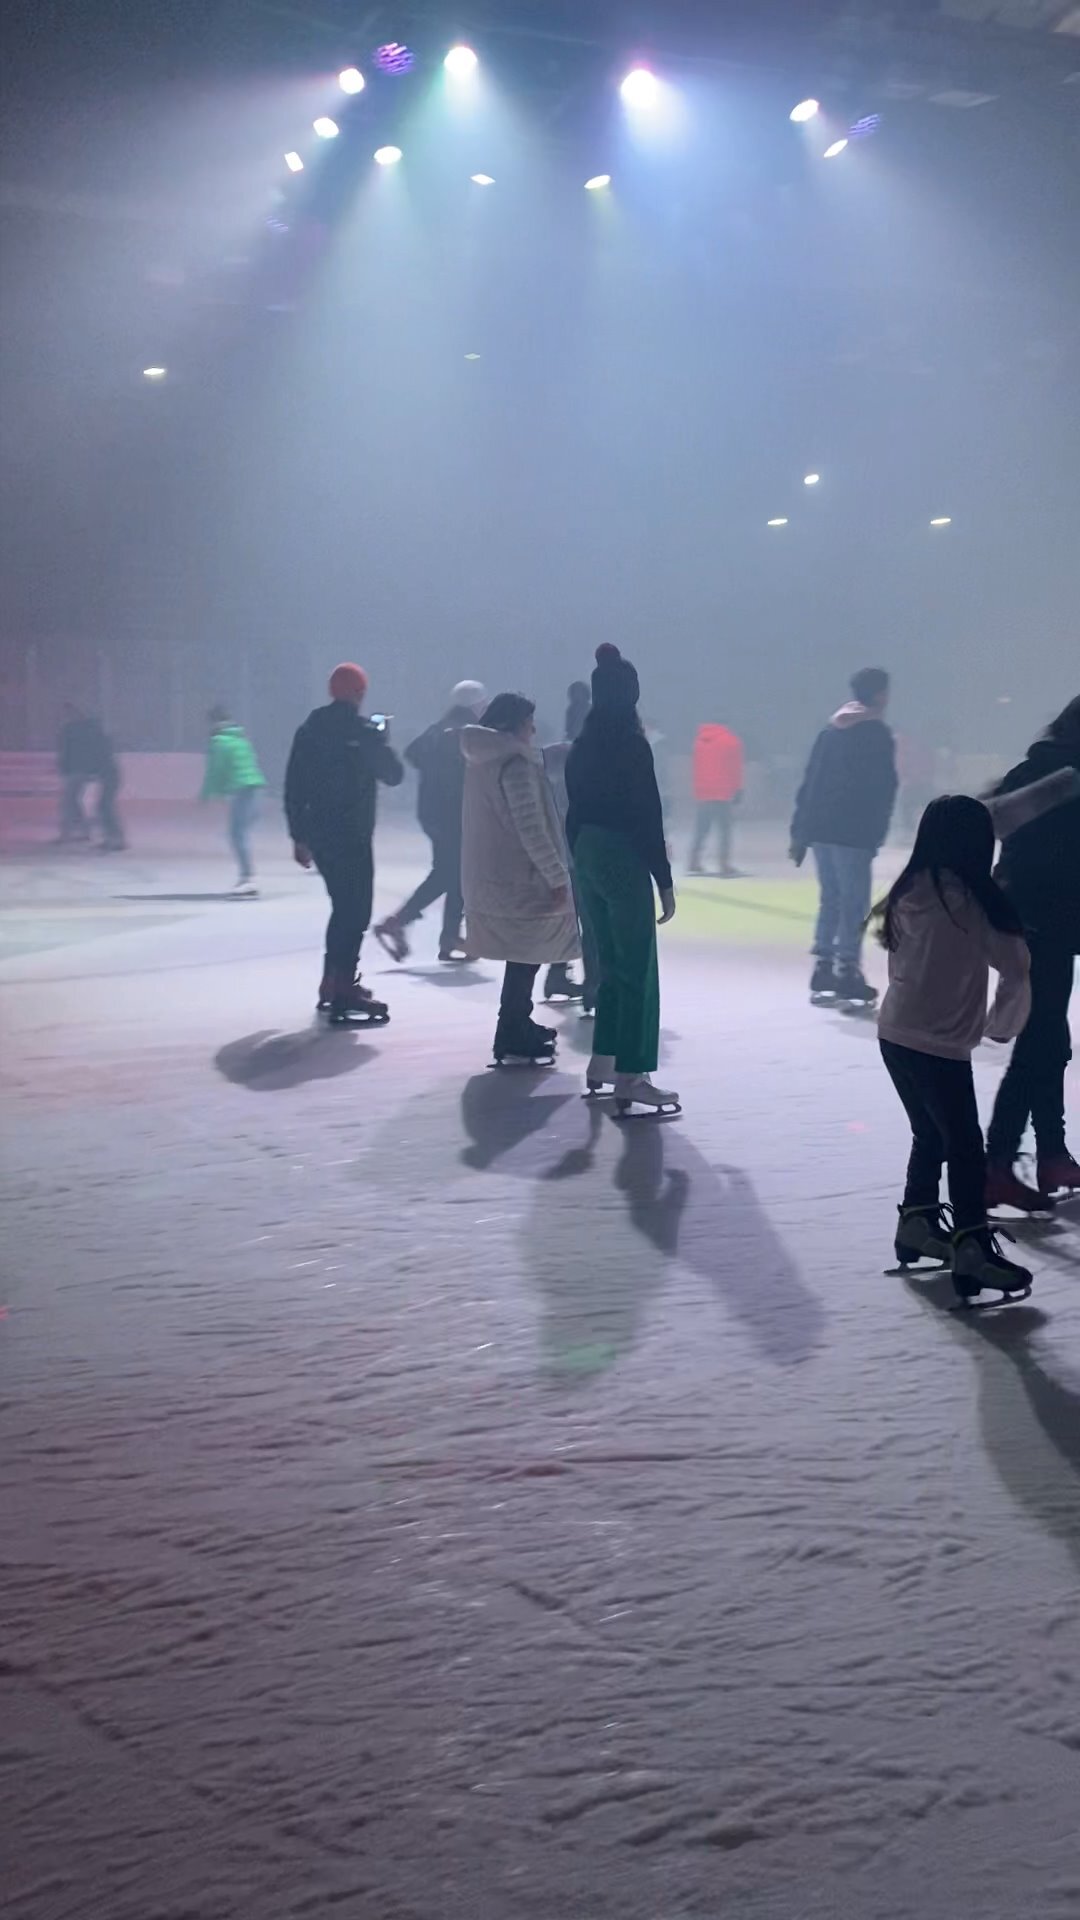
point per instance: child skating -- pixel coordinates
(944, 923)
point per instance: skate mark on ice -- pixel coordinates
(270, 1062)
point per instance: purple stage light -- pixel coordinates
(863, 128)
(394, 58)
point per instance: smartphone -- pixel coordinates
(381, 721)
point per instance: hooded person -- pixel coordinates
(1039, 870)
(842, 814)
(232, 774)
(518, 903)
(338, 760)
(615, 828)
(437, 758)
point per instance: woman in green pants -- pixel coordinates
(615, 827)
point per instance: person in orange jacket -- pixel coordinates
(718, 783)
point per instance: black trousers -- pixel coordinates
(348, 870)
(112, 833)
(939, 1100)
(1034, 1082)
(710, 814)
(516, 1001)
(444, 879)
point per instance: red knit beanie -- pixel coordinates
(348, 682)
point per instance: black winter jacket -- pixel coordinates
(849, 787)
(436, 754)
(337, 757)
(1040, 862)
(611, 782)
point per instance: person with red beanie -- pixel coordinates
(338, 759)
(718, 783)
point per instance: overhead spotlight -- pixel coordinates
(294, 163)
(640, 88)
(154, 373)
(805, 110)
(387, 156)
(472, 356)
(811, 479)
(598, 180)
(943, 520)
(326, 128)
(461, 61)
(777, 523)
(351, 80)
(838, 146)
(481, 179)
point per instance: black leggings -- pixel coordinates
(1034, 1081)
(443, 880)
(939, 1100)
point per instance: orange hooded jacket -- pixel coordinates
(718, 764)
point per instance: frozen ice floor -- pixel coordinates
(425, 1498)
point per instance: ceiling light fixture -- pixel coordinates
(326, 128)
(387, 156)
(351, 80)
(598, 180)
(805, 110)
(461, 62)
(838, 146)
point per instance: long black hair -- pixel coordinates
(956, 836)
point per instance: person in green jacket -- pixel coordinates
(232, 774)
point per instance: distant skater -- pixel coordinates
(842, 814)
(944, 923)
(518, 905)
(718, 784)
(615, 827)
(232, 774)
(85, 756)
(1040, 872)
(436, 755)
(338, 758)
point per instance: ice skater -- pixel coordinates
(233, 774)
(1040, 872)
(559, 982)
(85, 756)
(436, 755)
(944, 924)
(842, 814)
(718, 784)
(518, 904)
(338, 759)
(615, 827)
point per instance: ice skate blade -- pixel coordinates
(598, 1090)
(630, 1110)
(970, 1303)
(356, 1019)
(911, 1270)
(523, 1060)
(826, 999)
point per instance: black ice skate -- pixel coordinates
(978, 1262)
(852, 990)
(823, 984)
(351, 1005)
(923, 1233)
(523, 1043)
(560, 984)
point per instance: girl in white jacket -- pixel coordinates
(514, 876)
(944, 924)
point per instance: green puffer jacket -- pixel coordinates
(230, 764)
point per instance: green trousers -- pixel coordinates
(617, 898)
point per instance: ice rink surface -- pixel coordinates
(425, 1497)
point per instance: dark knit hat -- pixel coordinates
(348, 682)
(614, 680)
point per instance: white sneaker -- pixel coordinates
(637, 1090)
(244, 890)
(599, 1073)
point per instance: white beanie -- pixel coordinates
(469, 693)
